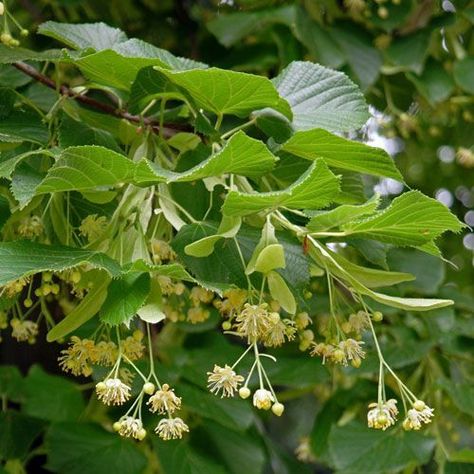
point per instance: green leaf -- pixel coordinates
(22, 126)
(371, 277)
(97, 36)
(434, 84)
(125, 296)
(409, 53)
(181, 458)
(232, 445)
(23, 258)
(228, 229)
(171, 270)
(232, 413)
(120, 66)
(152, 310)
(232, 28)
(280, 292)
(316, 188)
(318, 40)
(355, 448)
(85, 310)
(17, 434)
(325, 220)
(462, 394)
(321, 97)
(75, 448)
(9, 55)
(464, 75)
(86, 167)
(241, 155)
(411, 219)
(50, 397)
(416, 263)
(324, 259)
(270, 258)
(226, 92)
(73, 132)
(363, 58)
(341, 153)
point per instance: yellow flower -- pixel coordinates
(382, 416)
(253, 322)
(201, 295)
(171, 428)
(263, 399)
(92, 227)
(233, 301)
(416, 416)
(31, 227)
(225, 379)
(130, 427)
(132, 346)
(197, 315)
(78, 356)
(113, 392)
(164, 400)
(161, 251)
(24, 330)
(106, 353)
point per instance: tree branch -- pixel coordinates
(168, 131)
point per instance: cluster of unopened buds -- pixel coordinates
(5, 37)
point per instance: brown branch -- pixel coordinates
(168, 131)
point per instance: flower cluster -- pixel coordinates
(345, 352)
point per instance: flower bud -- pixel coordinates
(116, 426)
(149, 388)
(244, 392)
(419, 405)
(28, 303)
(278, 408)
(24, 32)
(355, 362)
(226, 325)
(2, 8)
(141, 434)
(377, 316)
(100, 386)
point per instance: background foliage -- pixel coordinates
(414, 62)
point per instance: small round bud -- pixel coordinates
(46, 289)
(338, 355)
(2, 8)
(141, 434)
(149, 388)
(304, 345)
(55, 289)
(382, 419)
(24, 32)
(14, 42)
(307, 294)
(407, 425)
(100, 386)
(278, 408)
(274, 317)
(28, 303)
(356, 362)
(382, 12)
(308, 335)
(39, 292)
(346, 327)
(76, 276)
(47, 276)
(5, 38)
(117, 425)
(226, 325)
(377, 316)
(244, 392)
(419, 405)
